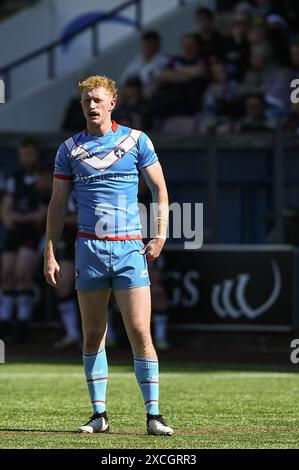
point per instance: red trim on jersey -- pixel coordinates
(94, 237)
(115, 126)
(62, 177)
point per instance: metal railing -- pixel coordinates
(50, 49)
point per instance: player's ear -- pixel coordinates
(113, 103)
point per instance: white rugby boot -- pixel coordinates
(157, 426)
(97, 423)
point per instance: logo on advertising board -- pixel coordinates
(222, 294)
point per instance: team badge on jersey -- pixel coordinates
(119, 152)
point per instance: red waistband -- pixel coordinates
(94, 237)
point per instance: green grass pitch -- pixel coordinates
(42, 404)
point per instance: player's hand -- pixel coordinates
(153, 249)
(52, 272)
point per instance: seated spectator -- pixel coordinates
(73, 120)
(184, 79)
(213, 42)
(257, 74)
(148, 65)
(270, 81)
(132, 105)
(258, 40)
(255, 119)
(189, 65)
(220, 97)
(237, 46)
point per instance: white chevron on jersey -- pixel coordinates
(105, 162)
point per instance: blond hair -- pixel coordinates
(96, 81)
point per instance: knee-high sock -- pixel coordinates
(7, 305)
(25, 305)
(68, 313)
(96, 372)
(147, 374)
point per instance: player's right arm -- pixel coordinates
(56, 216)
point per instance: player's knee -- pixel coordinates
(92, 340)
(141, 336)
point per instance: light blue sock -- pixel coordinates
(96, 372)
(147, 374)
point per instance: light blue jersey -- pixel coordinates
(104, 173)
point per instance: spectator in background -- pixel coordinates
(255, 119)
(273, 82)
(67, 305)
(219, 103)
(237, 46)
(132, 106)
(259, 70)
(183, 80)
(213, 42)
(220, 96)
(258, 40)
(21, 215)
(148, 65)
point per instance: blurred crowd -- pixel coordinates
(232, 74)
(24, 199)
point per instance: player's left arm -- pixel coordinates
(153, 175)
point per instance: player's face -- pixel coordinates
(97, 105)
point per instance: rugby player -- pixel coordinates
(102, 163)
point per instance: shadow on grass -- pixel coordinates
(178, 432)
(165, 364)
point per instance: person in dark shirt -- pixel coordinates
(255, 119)
(20, 215)
(183, 80)
(237, 46)
(213, 41)
(132, 105)
(73, 119)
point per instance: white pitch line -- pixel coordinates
(166, 375)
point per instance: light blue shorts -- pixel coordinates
(105, 263)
